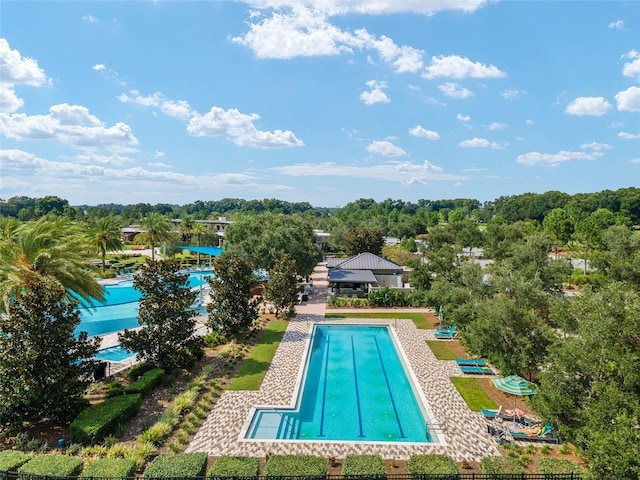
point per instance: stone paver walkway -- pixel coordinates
(461, 434)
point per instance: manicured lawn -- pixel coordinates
(418, 319)
(255, 366)
(442, 350)
(473, 394)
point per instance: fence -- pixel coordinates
(429, 476)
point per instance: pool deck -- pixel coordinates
(464, 432)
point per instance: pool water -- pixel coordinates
(114, 354)
(120, 308)
(355, 388)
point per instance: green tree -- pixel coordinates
(233, 309)
(157, 230)
(558, 226)
(281, 290)
(198, 230)
(263, 239)
(46, 249)
(105, 236)
(590, 386)
(167, 337)
(44, 368)
(364, 239)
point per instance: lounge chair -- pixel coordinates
(472, 362)
(493, 414)
(446, 330)
(448, 335)
(499, 434)
(478, 370)
(545, 436)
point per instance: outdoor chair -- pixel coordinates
(471, 362)
(546, 436)
(486, 370)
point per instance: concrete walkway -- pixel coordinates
(461, 433)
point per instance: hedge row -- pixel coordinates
(295, 465)
(110, 467)
(370, 465)
(59, 465)
(146, 382)
(501, 465)
(425, 464)
(227, 466)
(182, 465)
(98, 421)
(11, 460)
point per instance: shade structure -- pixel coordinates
(515, 385)
(441, 313)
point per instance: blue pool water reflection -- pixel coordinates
(120, 308)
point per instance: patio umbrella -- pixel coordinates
(441, 313)
(516, 386)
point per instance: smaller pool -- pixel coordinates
(114, 354)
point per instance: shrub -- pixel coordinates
(424, 464)
(500, 465)
(296, 465)
(185, 401)
(59, 465)
(235, 467)
(213, 339)
(387, 297)
(557, 465)
(370, 465)
(100, 420)
(114, 389)
(156, 433)
(110, 467)
(146, 382)
(136, 372)
(11, 460)
(181, 465)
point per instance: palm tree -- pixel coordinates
(199, 229)
(157, 230)
(186, 228)
(105, 236)
(49, 249)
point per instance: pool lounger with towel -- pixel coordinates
(471, 362)
(477, 370)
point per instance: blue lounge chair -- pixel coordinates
(493, 414)
(472, 362)
(451, 333)
(546, 436)
(478, 370)
(450, 329)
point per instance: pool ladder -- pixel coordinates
(435, 426)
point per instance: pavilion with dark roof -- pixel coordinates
(354, 276)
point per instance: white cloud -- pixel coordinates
(512, 93)
(497, 126)
(629, 99)
(406, 173)
(173, 108)
(385, 148)
(530, 122)
(159, 165)
(90, 19)
(377, 7)
(596, 146)
(98, 67)
(629, 136)
(419, 131)
(632, 69)
(463, 118)
(479, 143)
(17, 70)
(617, 25)
(177, 109)
(159, 154)
(376, 95)
(70, 125)
(553, 159)
(454, 66)
(240, 128)
(453, 90)
(635, 160)
(594, 106)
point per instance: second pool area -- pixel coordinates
(355, 387)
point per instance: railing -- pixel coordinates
(429, 476)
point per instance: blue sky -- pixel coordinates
(324, 102)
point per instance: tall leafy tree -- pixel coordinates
(233, 309)
(590, 386)
(281, 289)
(44, 368)
(46, 249)
(157, 230)
(558, 226)
(105, 236)
(364, 239)
(263, 239)
(167, 337)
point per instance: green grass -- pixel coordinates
(418, 319)
(473, 394)
(442, 350)
(255, 366)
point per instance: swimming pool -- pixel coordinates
(120, 308)
(114, 354)
(355, 388)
